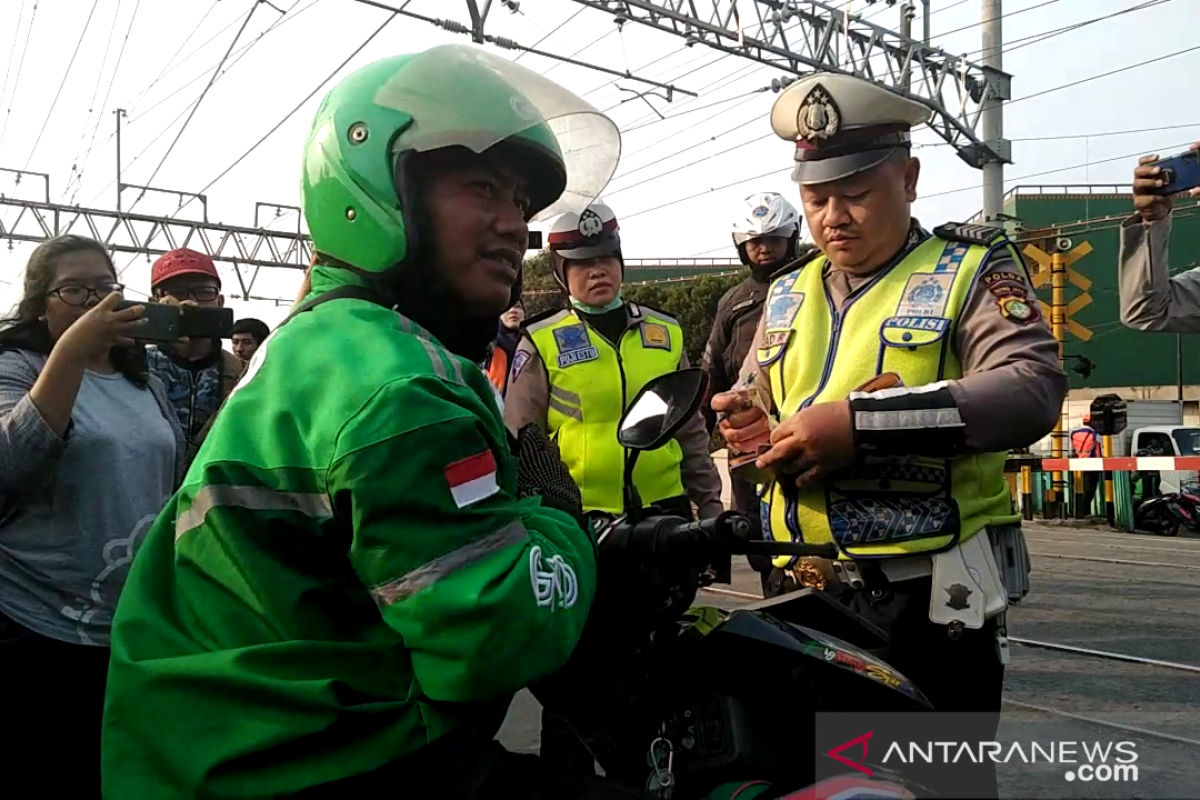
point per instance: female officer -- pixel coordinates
(577, 369)
(573, 374)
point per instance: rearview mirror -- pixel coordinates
(661, 408)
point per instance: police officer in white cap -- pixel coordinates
(902, 365)
(573, 374)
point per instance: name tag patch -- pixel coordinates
(574, 346)
(655, 336)
(936, 324)
(777, 338)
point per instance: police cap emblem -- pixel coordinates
(761, 212)
(819, 116)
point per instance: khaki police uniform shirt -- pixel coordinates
(1012, 388)
(1151, 299)
(528, 400)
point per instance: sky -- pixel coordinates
(154, 58)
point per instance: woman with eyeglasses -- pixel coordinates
(89, 454)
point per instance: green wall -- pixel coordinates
(1122, 357)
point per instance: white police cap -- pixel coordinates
(842, 125)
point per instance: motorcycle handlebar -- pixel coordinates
(732, 531)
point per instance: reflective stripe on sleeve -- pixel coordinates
(443, 566)
(254, 498)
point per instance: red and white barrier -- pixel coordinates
(1142, 464)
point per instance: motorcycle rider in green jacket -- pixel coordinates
(358, 574)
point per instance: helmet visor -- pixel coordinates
(468, 97)
(786, 232)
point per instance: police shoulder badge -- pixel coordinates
(1018, 309)
(656, 336)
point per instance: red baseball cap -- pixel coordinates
(182, 262)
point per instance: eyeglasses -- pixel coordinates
(201, 294)
(75, 295)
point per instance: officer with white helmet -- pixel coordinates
(766, 233)
(902, 364)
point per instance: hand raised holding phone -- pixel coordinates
(1156, 180)
(110, 323)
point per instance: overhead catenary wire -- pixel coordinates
(12, 51)
(555, 30)
(973, 187)
(77, 174)
(196, 105)
(20, 67)
(239, 54)
(509, 44)
(172, 64)
(298, 106)
(1036, 94)
(39, 138)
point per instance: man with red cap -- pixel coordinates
(198, 373)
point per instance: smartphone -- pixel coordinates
(206, 322)
(1179, 173)
(161, 321)
(169, 323)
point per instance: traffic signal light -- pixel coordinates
(1083, 365)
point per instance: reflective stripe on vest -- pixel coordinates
(904, 321)
(590, 386)
(1085, 443)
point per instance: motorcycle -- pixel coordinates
(688, 704)
(1165, 514)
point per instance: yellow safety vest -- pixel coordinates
(591, 384)
(903, 322)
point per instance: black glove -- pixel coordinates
(543, 473)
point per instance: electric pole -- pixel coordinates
(991, 115)
(120, 112)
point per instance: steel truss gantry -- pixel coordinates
(800, 36)
(39, 220)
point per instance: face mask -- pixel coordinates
(611, 305)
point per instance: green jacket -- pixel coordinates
(345, 575)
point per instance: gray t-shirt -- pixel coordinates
(83, 504)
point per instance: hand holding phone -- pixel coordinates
(171, 322)
(1178, 174)
(1156, 180)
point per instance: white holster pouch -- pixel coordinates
(970, 586)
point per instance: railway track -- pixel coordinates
(1188, 672)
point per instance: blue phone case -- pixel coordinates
(1179, 173)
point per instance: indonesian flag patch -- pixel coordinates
(472, 479)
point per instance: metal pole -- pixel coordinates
(120, 112)
(1179, 373)
(1058, 324)
(907, 12)
(991, 114)
(925, 21)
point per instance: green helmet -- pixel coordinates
(451, 95)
